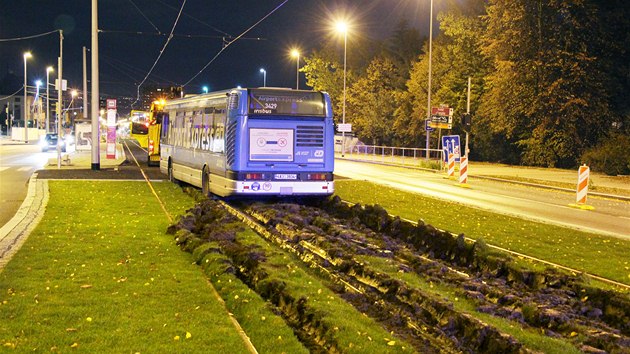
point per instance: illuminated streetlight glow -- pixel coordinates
(341, 26)
(296, 54)
(205, 89)
(264, 72)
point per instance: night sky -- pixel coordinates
(126, 57)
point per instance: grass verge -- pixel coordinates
(592, 253)
(99, 274)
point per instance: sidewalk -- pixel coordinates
(74, 159)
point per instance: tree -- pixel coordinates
(456, 56)
(402, 49)
(546, 91)
(372, 102)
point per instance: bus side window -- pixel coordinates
(163, 119)
(219, 130)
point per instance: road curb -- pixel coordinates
(16, 231)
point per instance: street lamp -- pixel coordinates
(205, 89)
(296, 54)
(48, 70)
(429, 86)
(264, 72)
(342, 27)
(25, 105)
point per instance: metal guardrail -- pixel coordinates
(393, 154)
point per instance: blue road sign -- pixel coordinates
(450, 144)
(427, 125)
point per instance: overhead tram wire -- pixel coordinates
(28, 37)
(157, 34)
(145, 16)
(225, 46)
(130, 70)
(198, 20)
(161, 51)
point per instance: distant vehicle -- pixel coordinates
(156, 114)
(50, 142)
(254, 142)
(139, 127)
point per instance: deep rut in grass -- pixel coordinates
(335, 237)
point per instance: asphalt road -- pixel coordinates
(17, 163)
(610, 217)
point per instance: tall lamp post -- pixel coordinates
(25, 105)
(264, 72)
(429, 86)
(48, 70)
(342, 27)
(296, 54)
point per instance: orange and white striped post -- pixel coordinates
(451, 166)
(463, 171)
(582, 188)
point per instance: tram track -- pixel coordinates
(423, 319)
(491, 292)
(367, 284)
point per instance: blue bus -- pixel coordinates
(259, 141)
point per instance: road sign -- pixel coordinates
(450, 144)
(427, 125)
(442, 111)
(441, 119)
(441, 125)
(344, 127)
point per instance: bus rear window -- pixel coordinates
(294, 103)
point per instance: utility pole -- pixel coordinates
(85, 91)
(467, 112)
(59, 95)
(96, 136)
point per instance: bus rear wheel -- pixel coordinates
(171, 177)
(205, 182)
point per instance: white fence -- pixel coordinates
(393, 154)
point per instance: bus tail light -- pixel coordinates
(316, 177)
(151, 146)
(254, 176)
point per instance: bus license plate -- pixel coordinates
(155, 158)
(286, 176)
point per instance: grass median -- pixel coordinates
(100, 274)
(588, 252)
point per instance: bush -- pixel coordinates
(612, 157)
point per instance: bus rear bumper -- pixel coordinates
(284, 188)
